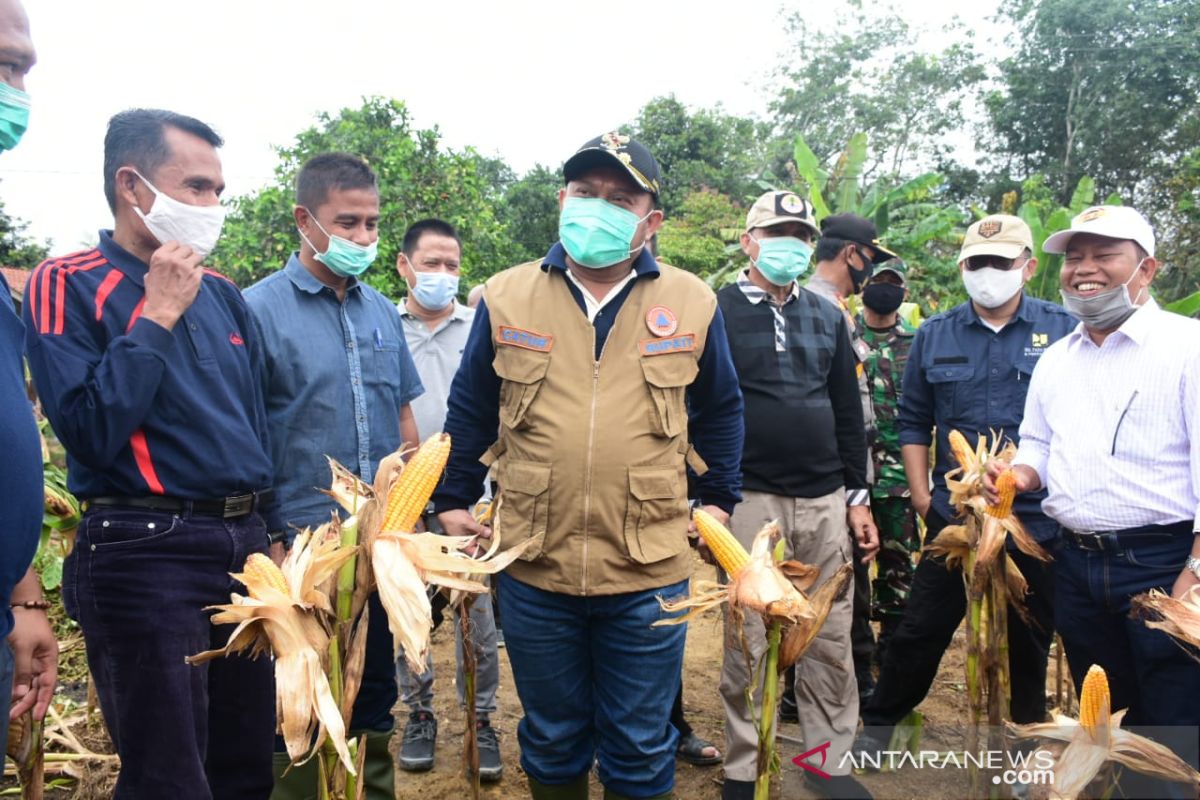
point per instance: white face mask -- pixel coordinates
(991, 287)
(199, 227)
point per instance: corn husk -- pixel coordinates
(1098, 739)
(289, 619)
(1179, 618)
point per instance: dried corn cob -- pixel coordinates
(1094, 700)
(1006, 487)
(260, 571)
(963, 453)
(726, 549)
(411, 491)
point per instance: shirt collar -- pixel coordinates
(1024, 312)
(461, 312)
(129, 264)
(1135, 329)
(644, 265)
(305, 281)
(756, 294)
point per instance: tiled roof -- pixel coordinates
(17, 278)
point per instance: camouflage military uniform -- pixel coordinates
(890, 501)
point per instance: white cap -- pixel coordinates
(1115, 222)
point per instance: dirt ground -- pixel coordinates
(944, 708)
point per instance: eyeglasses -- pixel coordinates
(995, 262)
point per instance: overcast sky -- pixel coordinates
(528, 80)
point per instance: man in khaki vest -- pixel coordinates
(608, 377)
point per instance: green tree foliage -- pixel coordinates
(17, 249)
(870, 75)
(705, 149)
(529, 211)
(417, 179)
(703, 236)
(1106, 88)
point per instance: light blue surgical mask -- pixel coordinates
(435, 290)
(597, 234)
(14, 115)
(343, 257)
(782, 259)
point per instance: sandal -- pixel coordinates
(691, 749)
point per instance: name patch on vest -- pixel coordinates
(683, 343)
(530, 340)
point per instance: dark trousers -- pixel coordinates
(935, 609)
(1149, 673)
(862, 638)
(138, 582)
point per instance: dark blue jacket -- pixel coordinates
(21, 465)
(714, 402)
(142, 410)
(963, 375)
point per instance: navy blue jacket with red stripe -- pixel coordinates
(142, 410)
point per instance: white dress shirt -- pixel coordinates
(1114, 430)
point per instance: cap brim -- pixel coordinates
(584, 160)
(1056, 243)
(766, 223)
(1002, 249)
(882, 254)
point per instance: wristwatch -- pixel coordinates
(1193, 564)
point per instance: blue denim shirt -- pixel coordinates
(963, 375)
(338, 374)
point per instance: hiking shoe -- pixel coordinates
(420, 740)
(866, 749)
(490, 766)
(788, 711)
(836, 786)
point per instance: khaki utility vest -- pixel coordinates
(591, 453)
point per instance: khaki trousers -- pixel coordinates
(815, 532)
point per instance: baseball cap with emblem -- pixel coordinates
(996, 235)
(1115, 222)
(854, 228)
(894, 265)
(774, 208)
(618, 149)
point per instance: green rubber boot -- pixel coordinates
(575, 790)
(300, 783)
(609, 794)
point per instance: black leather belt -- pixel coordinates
(1116, 541)
(238, 505)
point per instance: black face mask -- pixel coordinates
(883, 298)
(860, 276)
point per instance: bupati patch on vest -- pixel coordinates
(683, 343)
(519, 337)
(661, 321)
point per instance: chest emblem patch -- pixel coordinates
(1041, 339)
(661, 321)
(519, 337)
(683, 343)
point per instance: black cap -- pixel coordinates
(854, 228)
(621, 150)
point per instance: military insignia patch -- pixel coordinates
(683, 343)
(614, 140)
(1041, 339)
(530, 340)
(989, 229)
(661, 321)
(1092, 213)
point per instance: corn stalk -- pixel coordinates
(767, 758)
(470, 738)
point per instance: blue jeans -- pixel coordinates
(597, 682)
(1148, 672)
(138, 582)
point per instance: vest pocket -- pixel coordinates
(656, 514)
(667, 378)
(521, 372)
(525, 509)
